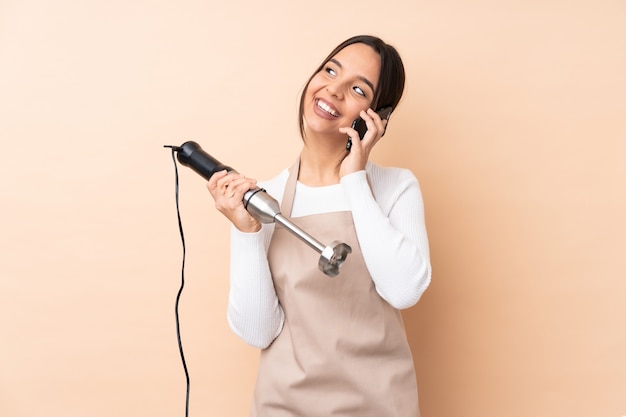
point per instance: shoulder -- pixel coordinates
(389, 184)
(394, 177)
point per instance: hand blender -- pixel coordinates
(264, 207)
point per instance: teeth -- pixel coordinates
(326, 108)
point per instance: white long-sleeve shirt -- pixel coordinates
(388, 214)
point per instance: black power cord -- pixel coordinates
(182, 284)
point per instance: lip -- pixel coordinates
(322, 113)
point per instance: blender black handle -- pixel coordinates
(191, 155)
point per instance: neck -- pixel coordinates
(320, 162)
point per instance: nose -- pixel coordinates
(335, 89)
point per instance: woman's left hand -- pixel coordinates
(357, 157)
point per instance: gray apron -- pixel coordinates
(343, 349)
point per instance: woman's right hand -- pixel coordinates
(227, 189)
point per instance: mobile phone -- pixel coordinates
(361, 128)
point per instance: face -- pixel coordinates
(336, 95)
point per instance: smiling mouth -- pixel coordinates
(326, 108)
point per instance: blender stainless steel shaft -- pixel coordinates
(265, 208)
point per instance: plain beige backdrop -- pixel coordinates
(514, 120)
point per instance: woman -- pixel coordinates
(332, 346)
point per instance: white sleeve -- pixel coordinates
(391, 232)
(254, 312)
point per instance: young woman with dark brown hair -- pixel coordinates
(333, 346)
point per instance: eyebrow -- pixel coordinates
(365, 80)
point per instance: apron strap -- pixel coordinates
(290, 189)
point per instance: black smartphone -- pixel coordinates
(360, 126)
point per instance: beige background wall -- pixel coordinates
(513, 120)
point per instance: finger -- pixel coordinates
(385, 121)
(224, 182)
(213, 185)
(239, 186)
(378, 121)
(351, 134)
(373, 123)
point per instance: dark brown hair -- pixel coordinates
(390, 84)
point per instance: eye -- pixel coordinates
(359, 91)
(330, 71)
